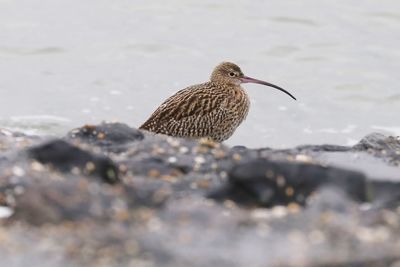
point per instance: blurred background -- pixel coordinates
(66, 63)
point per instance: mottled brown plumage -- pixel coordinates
(213, 109)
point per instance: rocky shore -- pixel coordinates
(111, 195)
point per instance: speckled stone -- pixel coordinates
(181, 202)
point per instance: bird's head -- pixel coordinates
(227, 73)
(230, 74)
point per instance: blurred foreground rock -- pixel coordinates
(110, 195)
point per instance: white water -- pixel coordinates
(65, 63)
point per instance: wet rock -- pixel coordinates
(57, 202)
(387, 147)
(377, 141)
(181, 202)
(268, 183)
(15, 140)
(323, 148)
(114, 137)
(77, 199)
(65, 157)
(384, 194)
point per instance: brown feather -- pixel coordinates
(213, 109)
(202, 110)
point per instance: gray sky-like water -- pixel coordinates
(66, 63)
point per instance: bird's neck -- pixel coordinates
(227, 86)
(236, 92)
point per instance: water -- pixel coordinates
(66, 63)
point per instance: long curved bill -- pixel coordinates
(246, 79)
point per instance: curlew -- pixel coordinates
(211, 110)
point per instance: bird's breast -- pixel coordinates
(239, 102)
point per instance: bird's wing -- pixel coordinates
(190, 103)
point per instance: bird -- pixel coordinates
(211, 110)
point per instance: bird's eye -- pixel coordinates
(232, 74)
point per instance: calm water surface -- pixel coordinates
(66, 63)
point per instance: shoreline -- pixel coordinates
(118, 196)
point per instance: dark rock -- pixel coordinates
(57, 202)
(114, 137)
(77, 199)
(166, 209)
(377, 141)
(64, 157)
(269, 183)
(387, 147)
(324, 148)
(384, 194)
